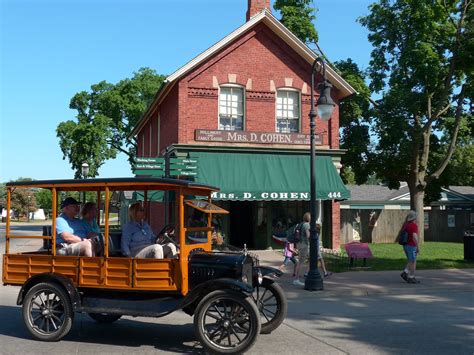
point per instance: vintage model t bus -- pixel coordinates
(231, 297)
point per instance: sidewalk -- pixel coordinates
(363, 283)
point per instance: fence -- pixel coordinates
(382, 226)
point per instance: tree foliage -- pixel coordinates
(105, 118)
(422, 64)
(298, 17)
(44, 200)
(355, 120)
(23, 200)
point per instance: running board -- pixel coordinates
(157, 307)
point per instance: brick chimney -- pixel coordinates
(255, 6)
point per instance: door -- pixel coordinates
(241, 224)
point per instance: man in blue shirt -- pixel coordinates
(71, 233)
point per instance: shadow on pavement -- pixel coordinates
(126, 332)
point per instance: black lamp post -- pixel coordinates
(325, 107)
(85, 173)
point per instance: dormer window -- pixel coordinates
(288, 111)
(231, 108)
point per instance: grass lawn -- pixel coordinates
(433, 255)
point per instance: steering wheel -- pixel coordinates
(166, 234)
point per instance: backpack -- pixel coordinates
(403, 236)
(293, 235)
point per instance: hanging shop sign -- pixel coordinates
(254, 137)
(156, 167)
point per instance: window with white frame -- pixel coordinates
(231, 108)
(288, 111)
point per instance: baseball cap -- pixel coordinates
(69, 201)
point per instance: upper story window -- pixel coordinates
(288, 111)
(231, 108)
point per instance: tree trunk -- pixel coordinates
(417, 203)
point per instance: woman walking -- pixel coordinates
(411, 249)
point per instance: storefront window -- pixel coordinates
(285, 214)
(231, 108)
(287, 111)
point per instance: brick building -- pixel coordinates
(241, 109)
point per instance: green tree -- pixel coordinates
(23, 200)
(355, 119)
(44, 200)
(105, 117)
(298, 17)
(422, 64)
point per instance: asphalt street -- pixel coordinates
(358, 313)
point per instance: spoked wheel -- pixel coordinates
(47, 312)
(104, 317)
(227, 322)
(272, 305)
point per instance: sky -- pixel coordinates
(52, 49)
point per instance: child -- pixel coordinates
(289, 254)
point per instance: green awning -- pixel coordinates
(264, 177)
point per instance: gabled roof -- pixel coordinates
(370, 193)
(380, 193)
(279, 29)
(465, 191)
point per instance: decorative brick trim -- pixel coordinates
(260, 96)
(202, 92)
(306, 99)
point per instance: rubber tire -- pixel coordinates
(282, 306)
(104, 317)
(229, 294)
(68, 311)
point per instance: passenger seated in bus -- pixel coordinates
(89, 218)
(138, 240)
(71, 234)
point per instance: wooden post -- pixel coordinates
(7, 236)
(106, 230)
(53, 224)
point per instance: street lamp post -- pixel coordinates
(325, 107)
(85, 173)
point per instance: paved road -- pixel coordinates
(358, 313)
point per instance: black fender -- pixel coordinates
(193, 298)
(51, 277)
(268, 272)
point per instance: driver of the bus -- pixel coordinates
(71, 232)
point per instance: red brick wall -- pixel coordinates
(336, 224)
(169, 119)
(258, 56)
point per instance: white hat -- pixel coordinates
(411, 216)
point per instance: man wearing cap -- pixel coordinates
(71, 232)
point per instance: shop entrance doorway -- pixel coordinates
(241, 224)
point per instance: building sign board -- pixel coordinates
(264, 195)
(155, 166)
(149, 160)
(254, 137)
(148, 166)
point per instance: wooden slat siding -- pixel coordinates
(438, 225)
(389, 223)
(150, 274)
